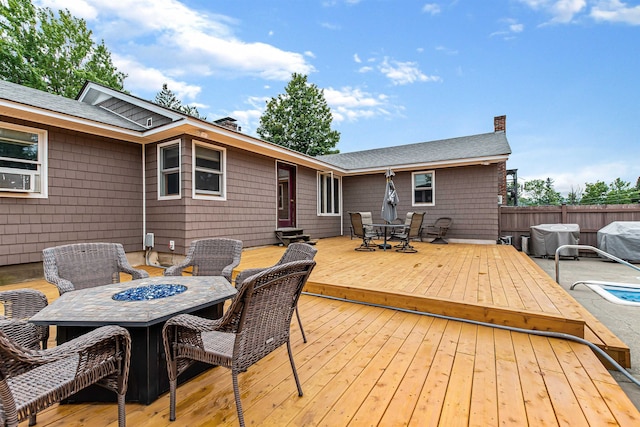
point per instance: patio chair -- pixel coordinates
(359, 230)
(19, 305)
(256, 323)
(86, 265)
(210, 257)
(410, 233)
(31, 381)
(294, 252)
(439, 230)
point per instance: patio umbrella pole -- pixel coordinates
(389, 212)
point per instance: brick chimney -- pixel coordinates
(228, 122)
(500, 124)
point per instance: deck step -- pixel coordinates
(290, 235)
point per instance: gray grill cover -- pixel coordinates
(621, 239)
(546, 238)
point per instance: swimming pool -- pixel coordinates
(617, 293)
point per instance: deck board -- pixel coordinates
(368, 365)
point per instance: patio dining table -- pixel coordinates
(384, 246)
(78, 312)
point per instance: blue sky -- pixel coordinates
(564, 72)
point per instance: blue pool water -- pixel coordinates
(625, 294)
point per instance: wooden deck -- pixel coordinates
(368, 365)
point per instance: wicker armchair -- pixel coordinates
(85, 265)
(257, 323)
(294, 252)
(210, 257)
(19, 305)
(412, 232)
(31, 381)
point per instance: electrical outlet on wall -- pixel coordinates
(172, 245)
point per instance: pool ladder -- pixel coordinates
(588, 248)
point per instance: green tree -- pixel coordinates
(52, 53)
(620, 192)
(168, 99)
(540, 192)
(300, 119)
(595, 194)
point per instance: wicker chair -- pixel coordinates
(210, 257)
(31, 381)
(412, 232)
(365, 233)
(85, 265)
(257, 323)
(294, 252)
(19, 305)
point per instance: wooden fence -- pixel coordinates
(516, 220)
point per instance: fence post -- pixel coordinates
(564, 213)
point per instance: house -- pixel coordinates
(109, 166)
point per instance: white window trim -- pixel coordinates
(223, 171)
(43, 138)
(159, 156)
(320, 195)
(433, 188)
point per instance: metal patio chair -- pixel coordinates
(210, 257)
(257, 323)
(294, 252)
(410, 233)
(31, 381)
(359, 230)
(18, 306)
(439, 230)
(86, 265)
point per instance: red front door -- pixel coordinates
(286, 195)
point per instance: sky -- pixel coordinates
(564, 72)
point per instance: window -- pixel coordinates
(169, 170)
(423, 188)
(328, 194)
(208, 171)
(23, 169)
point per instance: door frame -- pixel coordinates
(286, 187)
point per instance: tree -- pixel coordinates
(620, 192)
(541, 192)
(168, 99)
(51, 53)
(595, 194)
(300, 119)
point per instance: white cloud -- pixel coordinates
(365, 69)
(565, 182)
(401, 73)
(431, 8)
(174, 33)
(141, 78)
(356, 58)
(351, 104)
(446, 50)
(561, 11)
(513, 27)
(616, 11)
